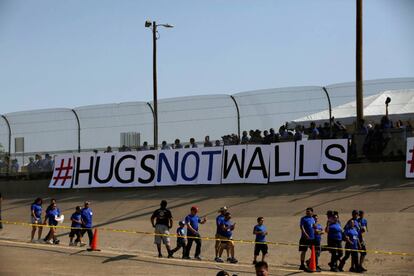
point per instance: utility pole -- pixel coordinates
(359, 77)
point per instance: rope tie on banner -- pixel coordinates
(128, 231)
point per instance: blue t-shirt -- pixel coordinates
(76, 216)
(335, 232)
(356, 225)
(86, 215)
(193, 220)
(37, 209)
(362, 222)
(260, 237)
(352, 234)
(181, 232)
(51, 216)
(225, 233)
(307, 223)
(318, 236)
(219, 220)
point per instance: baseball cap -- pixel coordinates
(182, 222)
(354, 212)
(194, 208)
(224, 208)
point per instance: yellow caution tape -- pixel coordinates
(373, 251)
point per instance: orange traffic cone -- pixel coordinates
(312, 261)
(94, 245)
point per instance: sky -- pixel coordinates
(56, 53)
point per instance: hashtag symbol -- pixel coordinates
(65, 169)
(411, 162)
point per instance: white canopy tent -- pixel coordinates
(400, 108)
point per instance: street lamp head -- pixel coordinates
(148, 24)
(167, 25)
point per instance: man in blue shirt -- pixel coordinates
(219, 219)
(260, 246)
(86, 216)
(318, 236)
(192, 221)
(363, 224)
(307, 238)
(225, 234)
(36, 218)
(76, 225)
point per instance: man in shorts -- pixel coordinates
(307, 238)
(161, 220)
(226, 229)
(219, 219)
(260, 246)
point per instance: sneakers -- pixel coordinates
(186, 258)
(218, 260)
(159, 255)
(56, 241)
(233, 261)
(302, 267)
(197, 258)
(49, 242)
(71, 244)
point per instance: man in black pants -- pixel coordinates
(192, 221)
(163, 222)
(86, 215)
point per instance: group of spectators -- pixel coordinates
(36, 164)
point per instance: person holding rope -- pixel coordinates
(161, 220)
(36, 219)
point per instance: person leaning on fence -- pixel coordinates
(260, 242)
(76, 225)
(36, 218)
(86, 216)
(181, 241)
(161, 220)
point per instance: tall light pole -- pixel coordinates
(358, 57)
(153, 25)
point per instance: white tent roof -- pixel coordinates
(402, 104)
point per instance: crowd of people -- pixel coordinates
(36, 164)
(81, 222)
(311, 236)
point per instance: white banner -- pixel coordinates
(257, 164)
(334, 156)
(189, 166)
(62, 172)
(167, 167)
(124, 169)
(308, 159)
(282, 162)
(233, 164)
(210, 165)
(261, 164)
(409, 163)
(84, 166)
(103, 173)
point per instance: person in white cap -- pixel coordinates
(219, 220)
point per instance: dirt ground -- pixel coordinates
(379, 190)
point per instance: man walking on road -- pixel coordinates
(161, 220)
(192, 221)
